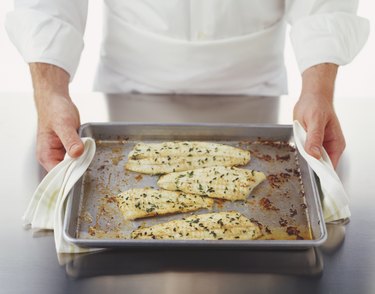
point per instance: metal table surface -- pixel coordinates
(344, 264)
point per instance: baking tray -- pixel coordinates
(286, 206)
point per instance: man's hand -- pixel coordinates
(58, 121)
(315, 112)
(58, 117)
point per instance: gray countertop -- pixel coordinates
(344, 264)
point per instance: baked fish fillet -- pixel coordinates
(228, 183)
(146, 202)
(211, 226)
(167, 157)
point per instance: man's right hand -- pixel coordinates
(58, 117)
(58, 122)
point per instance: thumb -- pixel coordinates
(70, 139)
(315, 137)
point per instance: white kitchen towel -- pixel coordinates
(46, 209)
(335, 200)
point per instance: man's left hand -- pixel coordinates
(317, 116)
(315, 111)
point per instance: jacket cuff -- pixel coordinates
(42, 38)
(328, 38)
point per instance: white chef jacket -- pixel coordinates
(191, 46)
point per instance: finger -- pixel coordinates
(335, 148)
(334, 156)
(70, 139)
(50, 164)
(49, 151)
(315, 137)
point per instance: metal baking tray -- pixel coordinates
(286, 205)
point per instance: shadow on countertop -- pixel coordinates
(307, 262)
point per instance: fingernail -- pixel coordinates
(316, 150)
(74, 148)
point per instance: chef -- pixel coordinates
(188, 46)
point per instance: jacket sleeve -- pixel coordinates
(325, 31)
(49, 31)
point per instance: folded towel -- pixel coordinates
(46, 209)
(335, 200)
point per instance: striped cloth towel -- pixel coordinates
(46, 209)
(335, 200)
